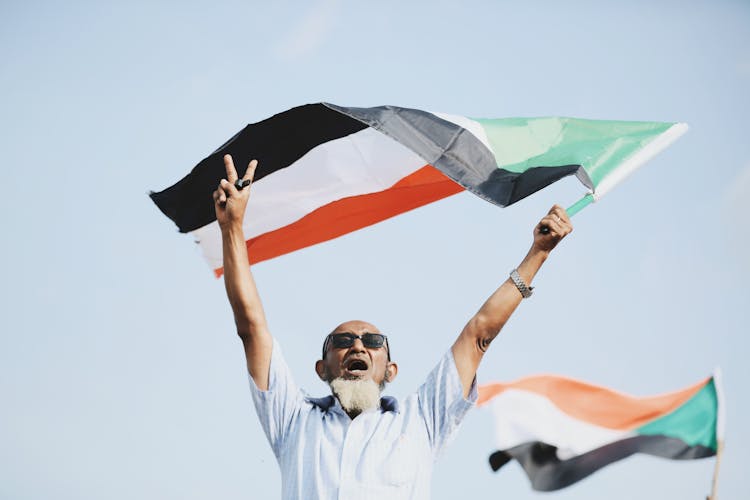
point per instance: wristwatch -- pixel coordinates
(525, 289)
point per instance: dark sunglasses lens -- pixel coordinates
(346, 340)
(342, 340)
(373, 340)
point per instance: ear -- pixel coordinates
(391, 371)
(320, 369)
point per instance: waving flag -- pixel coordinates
(561, 430)
(327, 170)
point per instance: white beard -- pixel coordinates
(356, 395)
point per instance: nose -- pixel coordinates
(357, 346)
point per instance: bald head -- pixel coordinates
(356, 327)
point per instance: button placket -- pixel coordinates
(352, 450)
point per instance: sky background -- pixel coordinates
(120, 373)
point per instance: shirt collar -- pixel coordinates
(387, 403)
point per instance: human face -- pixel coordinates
(357, 361)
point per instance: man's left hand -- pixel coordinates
(558, 226)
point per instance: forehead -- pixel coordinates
(356, 326)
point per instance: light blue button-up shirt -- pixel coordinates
(382, 454)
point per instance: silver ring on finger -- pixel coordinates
(240, 184)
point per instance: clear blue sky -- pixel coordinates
(120, 374)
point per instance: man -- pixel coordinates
(354, 444)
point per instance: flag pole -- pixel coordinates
(715, 480)
(580, 204)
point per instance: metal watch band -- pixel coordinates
(525, 290)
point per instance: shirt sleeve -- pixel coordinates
(442, 402)
(278, 406)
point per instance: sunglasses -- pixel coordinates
(346, 340)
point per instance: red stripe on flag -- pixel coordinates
(595, 404)
(343, 216)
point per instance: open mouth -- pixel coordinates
(357, 367)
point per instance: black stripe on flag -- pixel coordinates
(276, 143)
(548, 473)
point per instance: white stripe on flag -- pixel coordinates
(366, 162)
(522, 416)
(467, 123)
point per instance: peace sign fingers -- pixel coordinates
(230, 199)
(247, 179)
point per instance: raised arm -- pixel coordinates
(230, 203)
(482, 329)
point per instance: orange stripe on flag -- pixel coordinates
(349, 214)
(595, 404)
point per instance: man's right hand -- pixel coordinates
(230, 202)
